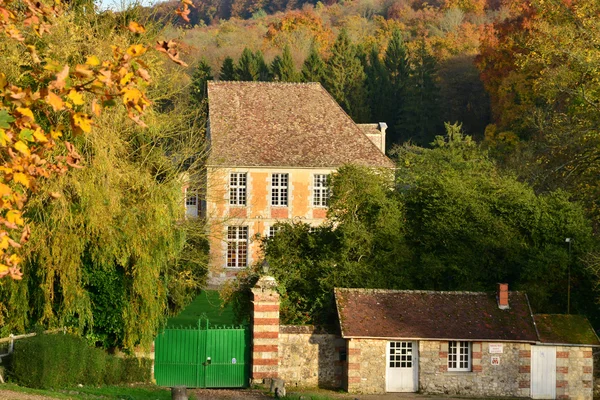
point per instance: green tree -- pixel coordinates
(252, 67)
(345, 78)
(227, 72)
(313, 69)
(378, 87)
(199, 90)
(283, 67)
(398, 72)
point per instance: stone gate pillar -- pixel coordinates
(265, 330)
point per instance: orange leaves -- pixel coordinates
(170, 49)
(184, 9)
(61, 79)
(135, 27)
(55, 101)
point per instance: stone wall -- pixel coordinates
(366, 365)
(308, 358)
(509, 378)
(574, 372)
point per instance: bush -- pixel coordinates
(60, 361)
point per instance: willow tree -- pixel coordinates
(106, 257)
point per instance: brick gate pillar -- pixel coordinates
(265, 330)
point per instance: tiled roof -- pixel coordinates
(286, 125)
(565, 329)
(369, 129)
(433, 315)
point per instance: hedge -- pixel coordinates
(59, 361)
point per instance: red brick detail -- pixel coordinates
(562, 370)
(265, 298)
(354, 352)
(265, 335)
(587, 369)
(231, 274)
(238, 212)
(524, 384)
(524, 369)
(319, 213)
(354, 379)
(562, 354)
(477, 368)
(562, 384)
(262, 375)
(354, 366)
(266, 321)
(477, 355)
(281, 212)
(587, 384)
(587, 354)
(503, 294)
(443, 368)
(524, 353)
(265, 307)
(264, 361)
(265, 348)
(443, 354)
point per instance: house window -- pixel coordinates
(320, 190)
(237, 189)
(237, 246)
(191, 203)
(459, 356)
(279, 190)
(273, 230)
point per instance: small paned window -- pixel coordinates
(191, 203)
(279, 190)
(237, 246)
(320, 190)
(401, 355)
(459, 356)
(237, 189)
(273, 230)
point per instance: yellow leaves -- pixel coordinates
(22, 148)
(14, 217)
(56, 133)
(92, 61)
(39, 135)
(83, 122)
(55, 101)
(5, 190)
(21, 178)
(2, 80)
(3, 246)
(135, 27)
(76, 97)
(3, 138)
(124, 80)
(96, 108)
(131, 95)
(136, 50)
(26, 112)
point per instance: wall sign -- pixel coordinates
(496, 348)
(495, 360)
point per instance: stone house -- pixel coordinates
(463, 343)
(272, 147)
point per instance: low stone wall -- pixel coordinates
(511, 377)
(309, 358)
(574, 372)
(366, 366)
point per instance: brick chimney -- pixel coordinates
(503, 296)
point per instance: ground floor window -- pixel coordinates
(237, 246)
(459, 356)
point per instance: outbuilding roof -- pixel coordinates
(373, 313)
(565, 329)
(284, 125)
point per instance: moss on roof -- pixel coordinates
(207, 304)
(565, 329)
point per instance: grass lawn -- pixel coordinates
(138, 392)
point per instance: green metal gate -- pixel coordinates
(203, 357)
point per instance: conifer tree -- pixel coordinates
(227, 72)
(313, 69)
(283, 67)
(251, 67)
(201, 75)
(378, 87)
(422, 119)
(345, 78)
(398, 71)
(264, 73)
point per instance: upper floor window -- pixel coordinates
(320, 190)
(459, 356)
(279, 189)
(237, 246)
(191, 203)
(237, 189)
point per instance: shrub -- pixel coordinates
(60, 361)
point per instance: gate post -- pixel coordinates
(265, 330)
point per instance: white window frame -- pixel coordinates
(280, 189)
(321, 191)
(459, 355)
(237, 188)
(237, 246)
(191, 203)
(273, 230)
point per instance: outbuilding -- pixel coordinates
(463, 343)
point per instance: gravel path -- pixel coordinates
(10, 395)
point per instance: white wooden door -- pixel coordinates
(543, 372)
(402, 367)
